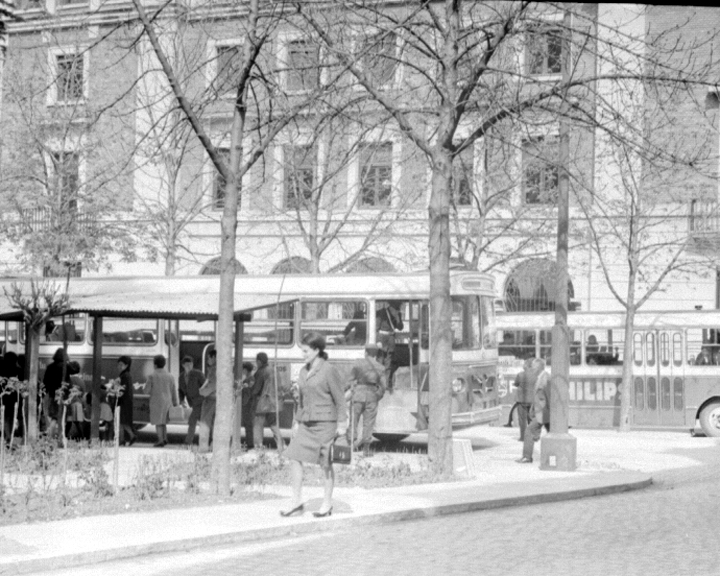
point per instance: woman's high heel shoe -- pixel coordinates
(292, 512)
(323, 514)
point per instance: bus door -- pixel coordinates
(671, 386)
(645, 379)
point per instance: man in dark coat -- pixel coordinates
(388, 321)
(191, 380)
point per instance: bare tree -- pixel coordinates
(490, 64)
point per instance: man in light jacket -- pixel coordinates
(539, 412)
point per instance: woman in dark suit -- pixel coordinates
(126, 401)
(322, 417)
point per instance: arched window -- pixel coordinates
(530, 287)
(371, 265)
(293, 265)
(212, 268)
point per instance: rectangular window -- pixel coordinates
(463, 177)
(270, 325)
(518, 343)
(375, 174)
(70, 77)
(303, 66)
(219, 182)
(465, 322)
(70, 327)
(228, 63)
(378, 54)
(543, 52)
(343, 323)
(703, 347)
(487, 322)
(605, 347)
(300, 163)
(540, 170)
(66, 178)
(128, 332)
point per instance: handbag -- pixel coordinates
(340, 453)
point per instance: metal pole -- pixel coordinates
(97, 375)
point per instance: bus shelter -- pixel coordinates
(151, 299)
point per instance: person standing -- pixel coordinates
(388, 321)
(126, 401)
(524, 394)
(9, 397)
(539, 412)
(367, 387)
(246, 408)
(55, 375)
(207, 412)
(266, 403)
(321, 417)
(160, 386)
(191, 380)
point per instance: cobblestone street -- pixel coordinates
(669, 529)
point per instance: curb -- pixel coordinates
(94, 557)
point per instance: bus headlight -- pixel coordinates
(458, 385)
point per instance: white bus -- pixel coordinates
(676, 365)
(342, 307)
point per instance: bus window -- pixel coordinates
(678, 394)
(487, 322)
(650, 347)
(465, 322)
(604, 347)
(129, 332)
(639, 394)
(518, 343)
(637, 349)
(342, 323)
(702, 347)
(194, 330)
(271, 325)
(665, 356)
(70, 327)
(651, 393)
(425, 326)
(677, 349)
(546, 345)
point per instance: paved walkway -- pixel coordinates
(608, 462)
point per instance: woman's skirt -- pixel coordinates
(312, 442)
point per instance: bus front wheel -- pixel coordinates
(710, 419)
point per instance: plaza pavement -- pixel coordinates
(608, 462)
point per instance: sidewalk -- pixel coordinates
(608, 463)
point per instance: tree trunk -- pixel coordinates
(32, 407)
(627, 380)
(440, 370)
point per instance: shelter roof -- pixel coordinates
(160, 297)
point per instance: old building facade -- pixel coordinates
(95, 148)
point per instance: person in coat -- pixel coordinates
(367, 387)
(53, 379)
(539, 412)
(207, 412)
(9, 397)
(245, 405)
(388, 321)
(524, 394)
(191, 380)
(266, 403)
(160, 386)
(321, 417)
(126, 401)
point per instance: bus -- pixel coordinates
(675, 365)
(342, 307)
